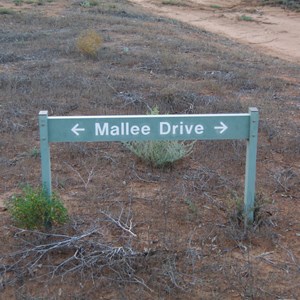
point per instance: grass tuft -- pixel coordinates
(160, 153)
(216, 6)
(87, 4)
(262, 212)
(245, 18)
(89, 42)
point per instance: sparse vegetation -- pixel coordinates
(192, 209)
(136, 231)
(292, 4)
(262, 211)
(35, 2)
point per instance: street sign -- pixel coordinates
(150, 128)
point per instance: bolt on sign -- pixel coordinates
(242, 126)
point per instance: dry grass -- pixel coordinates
(89, 43)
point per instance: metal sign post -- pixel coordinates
(154, 127)
(250, 176)
(45, 152)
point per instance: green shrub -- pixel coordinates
(18, 2)
(6, 11)
(87, 4)
(174, 2)
(245, 18)
(33, 210)
(160, 153)
(215, 6)
(89, 42)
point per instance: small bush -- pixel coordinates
(87, 4)
(215, 6)
(18, 2)
(245, 18)
(89, 42)
(174, 2)
(160, 153)
(6, 11)
(33, 210)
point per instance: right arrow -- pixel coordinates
(222, 128)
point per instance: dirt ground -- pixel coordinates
(136, 231)
(272, 30)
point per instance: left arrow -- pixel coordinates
(75, 129)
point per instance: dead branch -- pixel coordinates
(82, 252)
(86, 181)
(117, 221)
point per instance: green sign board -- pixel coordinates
(153, 127)
(148, 127)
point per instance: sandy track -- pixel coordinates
(272, 30)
